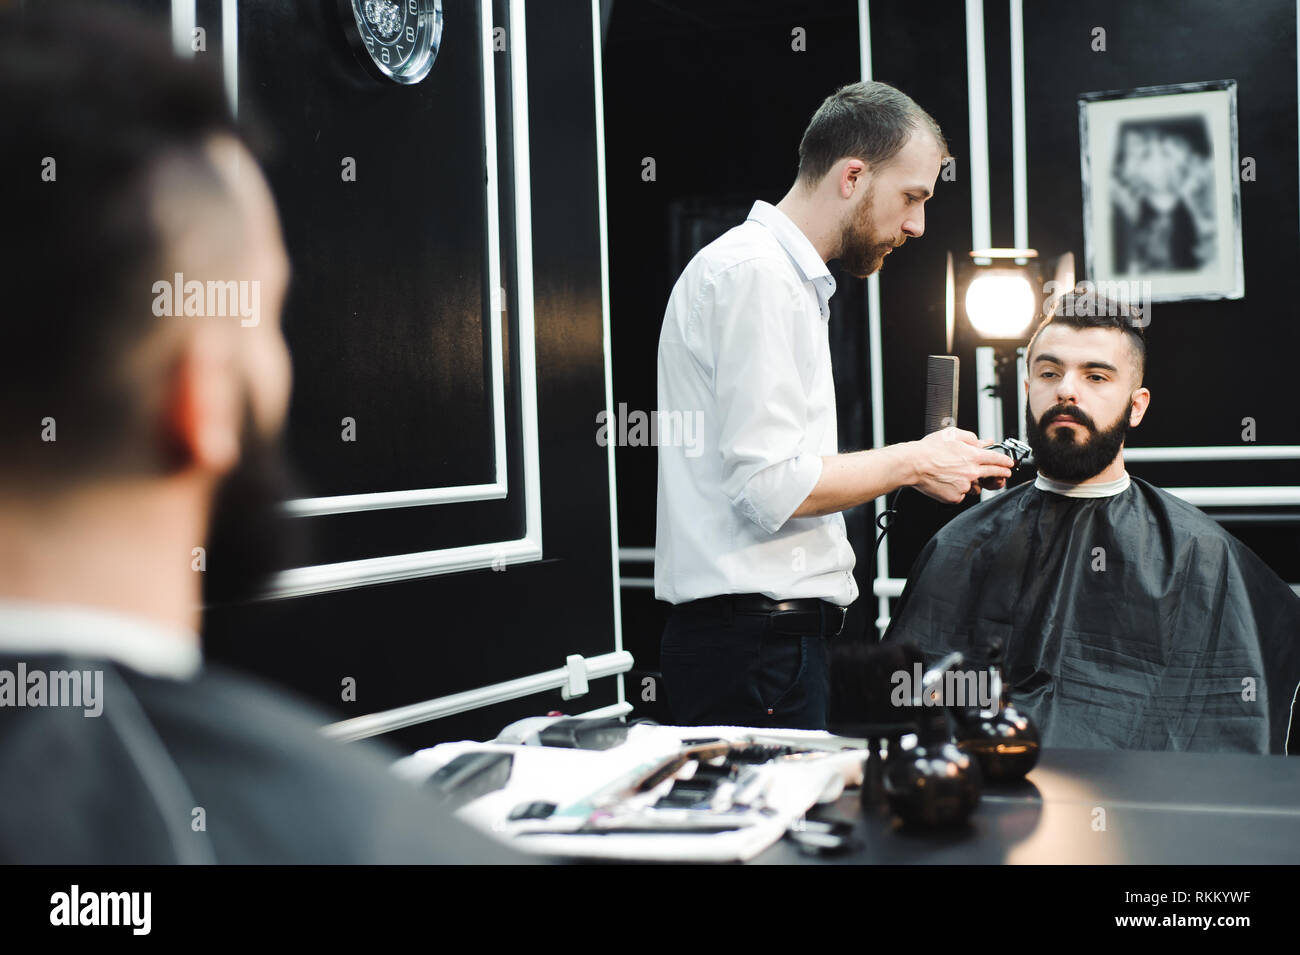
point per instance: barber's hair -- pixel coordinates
(91, 100)
(1082, 308)
(867, 121)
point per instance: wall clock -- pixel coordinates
(396, 40)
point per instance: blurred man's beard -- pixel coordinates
(249, 536)
(1059, 455)
(862, 253)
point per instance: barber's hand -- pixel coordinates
(950, 463)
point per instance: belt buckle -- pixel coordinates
(844, 613)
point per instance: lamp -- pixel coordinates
(995, 298)
(1001, 303)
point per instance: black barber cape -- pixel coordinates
(123, 786)
(1128, 622)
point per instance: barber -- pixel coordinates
(750, 546)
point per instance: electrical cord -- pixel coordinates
(885, 519)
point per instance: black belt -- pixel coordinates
(791, 617)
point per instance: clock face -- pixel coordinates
(398, 39)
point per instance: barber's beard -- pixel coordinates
(862, 251)
(250, 537)
(1060, 456)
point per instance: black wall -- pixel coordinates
(386, 316)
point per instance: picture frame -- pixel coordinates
(1162, 191)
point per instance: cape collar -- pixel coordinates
(30, 627)
(1106, 489)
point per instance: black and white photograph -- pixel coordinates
(1161, 189)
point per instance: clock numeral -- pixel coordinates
(383, 54)
(412, 6)
(410, 34)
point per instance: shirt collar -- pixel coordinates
(1104, 489)
(145, 646)
(797, 245)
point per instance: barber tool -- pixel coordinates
(576, 732)
(1003, 740)
(568, 732)
(821, 836)
(1020, 453)
(928, 780)
(940, 392)
(941, 376)
(651, 822)
(469, 776)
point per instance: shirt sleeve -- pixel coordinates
(761, 404)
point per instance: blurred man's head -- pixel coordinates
(1086, 364)
(145, 276)
(875, 149)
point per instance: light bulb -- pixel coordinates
(1000, 303)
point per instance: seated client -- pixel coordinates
(1128, 619)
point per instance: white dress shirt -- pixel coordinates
(744, 353)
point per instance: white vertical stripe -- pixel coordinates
(524, 281)
(981, 228)
(598, 73)
(497, 306)
(183, 19)
(874, 338)
(1022, 375)
(230, 52)
(1019, 167)
(989, 398)
(864, 38)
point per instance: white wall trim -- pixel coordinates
(981, 227)
(230, 52)
(1280, 496)
(1266, 452)
(184, 17)
(1019, 161)
(322, 578)
(387, 721)
(499, 487)
(598, 83)
(876, 370)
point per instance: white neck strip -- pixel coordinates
(150, 648)
(1104, 489)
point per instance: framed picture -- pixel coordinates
(1162, 191)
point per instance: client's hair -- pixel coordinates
(1082, 308)
(92, 101)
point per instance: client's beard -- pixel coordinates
(1065, 459)
(250, 537)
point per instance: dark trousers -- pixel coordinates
(729, 669)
